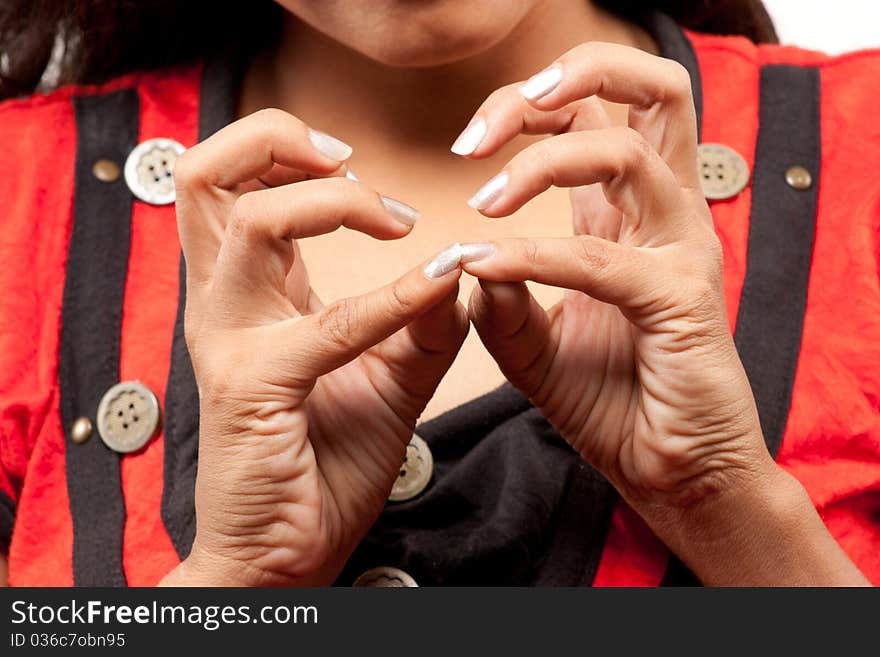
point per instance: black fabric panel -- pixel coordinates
(510, 503)
(674, 44)
(781, 235)
(219, 84)
(780, 251)
(97, 266)
(7, 521)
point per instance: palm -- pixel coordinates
(619, 386)
(357, 473)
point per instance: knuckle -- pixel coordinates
(704, 296)
(634, 152)
(241, 224)
(541, 162)
(336, 323)
(638, 148)
(185, 171)
(591, 253)
(402, 303)
(585, 51)
(677, 81)
(272, 118)
(530, 253)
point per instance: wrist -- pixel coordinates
(194, 571)
(762, 530)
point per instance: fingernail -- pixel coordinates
(444, 262)
(470, 137)
(489, 192)
(350, 175)
(542, 83)
(405, 214)
(473, 251)
(329, 146)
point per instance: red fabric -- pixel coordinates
(38, 136)
(38, 139)
(169, 108)
(831, 444)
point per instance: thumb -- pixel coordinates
(319, 343)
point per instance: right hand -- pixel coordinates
(305, 411)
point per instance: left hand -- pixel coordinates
(636, 367)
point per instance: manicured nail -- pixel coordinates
(489, 192)
(329, 146)
(350, 175)
(470, 137)
(473, 251)
(405, 214)
(541, 84)
(444, 262)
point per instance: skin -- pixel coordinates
(306, 409)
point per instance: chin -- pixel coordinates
(429, 50)
(413, 33)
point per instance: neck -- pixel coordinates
(345, 93)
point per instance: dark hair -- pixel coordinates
(92, 40)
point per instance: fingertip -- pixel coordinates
(490, 193)
(470, 138)
(330, 147)
(445, 263)
(541, 84)
(403, 213)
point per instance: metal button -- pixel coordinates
(106, 171)
(128, 416)
(149, 170)
(798, 178)
(415, 471)
(81, 430)
(386, 577)
(723, 172)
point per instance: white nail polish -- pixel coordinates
(350, 175)
(329, 146)
(405, 214)
(542, 83)
(470, 137)
(490, 192)
(473, 251)
(444, 262)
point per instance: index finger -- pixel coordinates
(657, 90)
(252, 146)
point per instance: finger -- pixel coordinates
(280, 175)
(502, 116)
(657, 90)
(252, 146)
(610, 272)
(635, 179)
(257, 243)
(515, 330)
(345, 329)
(506, 114)
(299, 291)
(414, 360)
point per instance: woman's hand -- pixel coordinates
(636, 367)
(306, 410)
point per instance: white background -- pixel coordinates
(833, 26)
